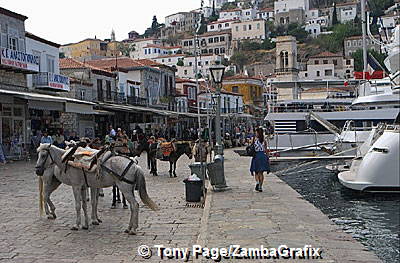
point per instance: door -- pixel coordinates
(6, 129)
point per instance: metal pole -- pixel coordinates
(364, 37)
(218, 122)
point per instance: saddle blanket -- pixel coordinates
(82, 158)
(166, 148)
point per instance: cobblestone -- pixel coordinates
(25, 237)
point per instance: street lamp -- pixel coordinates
(217, 74)
(216, 174)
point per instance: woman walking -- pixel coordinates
(260, 161)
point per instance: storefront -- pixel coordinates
(12, 125)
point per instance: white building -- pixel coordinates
(249, 14)
(139, 45)
(346, 11)
(266, 14)
(220, 25)
(230, 102)
(254, 29)
(313, 29)
(174, 18)
(170, 60)
(152, 51)
(49, 77)
(389, 21)
(231, 14)
(312, 14)
(315, 26)
(188, 70)
(286, 5)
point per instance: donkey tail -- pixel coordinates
(41, 195)
(143, 192)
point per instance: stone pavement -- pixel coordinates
(277, 216)
(25, 237)
(240, 216)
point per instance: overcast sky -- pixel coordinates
(70, 21)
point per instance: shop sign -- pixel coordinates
(20, 60)
(58, 82)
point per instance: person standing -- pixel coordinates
(46, 138)
(260, 161)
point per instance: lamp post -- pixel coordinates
(218, 177)
(217, 74)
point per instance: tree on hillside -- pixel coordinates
(155, 28)
(298, 32)
(228, 5)
(358, 58)
(378, 7)
(214, 15)
(239, 59)
(203, 25)
(126, 49)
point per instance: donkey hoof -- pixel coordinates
(85, 227)
(75, 228)
(99, 220)
(51, 217)
(127, 231)
(132, 233)
(175, 175)
(95, 223)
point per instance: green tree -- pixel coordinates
(268, 44)
(228, 5)
(203, 25)
(229, 73)
(126, 49)
(334, 16)
(214, 15)
(61, 55)
(378, 7)
(250, 45)
(298, 32)
(180, 62)
(358, 58)
(239, 59)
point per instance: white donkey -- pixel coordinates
(117, 170)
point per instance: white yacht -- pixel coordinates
(377, 169)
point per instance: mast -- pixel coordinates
(364, 37)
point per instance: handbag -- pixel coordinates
(251, 150)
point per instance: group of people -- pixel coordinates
(57, 138)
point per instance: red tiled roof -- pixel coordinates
(326, 54)
(241, 77)
(222, 32)
(222, 21)
(265, 10)
(123, 62)
(232, 10)
(70, 63)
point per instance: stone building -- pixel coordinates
(217, 43)
(286, 59)
(352, 44)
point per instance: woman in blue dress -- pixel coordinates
(260, 162)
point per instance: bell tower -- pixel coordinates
(286, 59)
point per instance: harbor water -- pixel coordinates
(372, 219)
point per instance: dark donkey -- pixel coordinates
(181, 148)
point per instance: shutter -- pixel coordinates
(21, 44)
(4, 40)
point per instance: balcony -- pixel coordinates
(133, 100)
(51, 81)
(286, 70)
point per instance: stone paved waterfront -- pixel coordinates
(277, 216)
(240, 216)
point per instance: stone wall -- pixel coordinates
(13, 81)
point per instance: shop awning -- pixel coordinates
(78, 108)
(45, 105)
(42, 97)
(103, 112)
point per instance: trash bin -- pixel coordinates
(193, 190)
(216, 172)
(195, 168)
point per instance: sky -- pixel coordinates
(70, 21)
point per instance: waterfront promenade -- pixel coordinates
(278, 216)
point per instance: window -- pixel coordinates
(216, 39)
(190, 43)
(258, 26)
(108, 89)
(190, 63)
(222, 39)
(82, 94)
(210, 51)
(185, 72)
(335, 62)
(316, 62)
(216, 51)
(13, 43)
(222, 50)
(100, 90)
(212, 27)
(249, 27)
(328, 72)
(325, 61)
(210, 40)
(237, 28)
(206, 62)
(318, 73)
(306, 74)
(50, 63)
(244, 28)
(235, 89)
(226, 24)
(348, 62)
(349, 43)
(219, 25)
